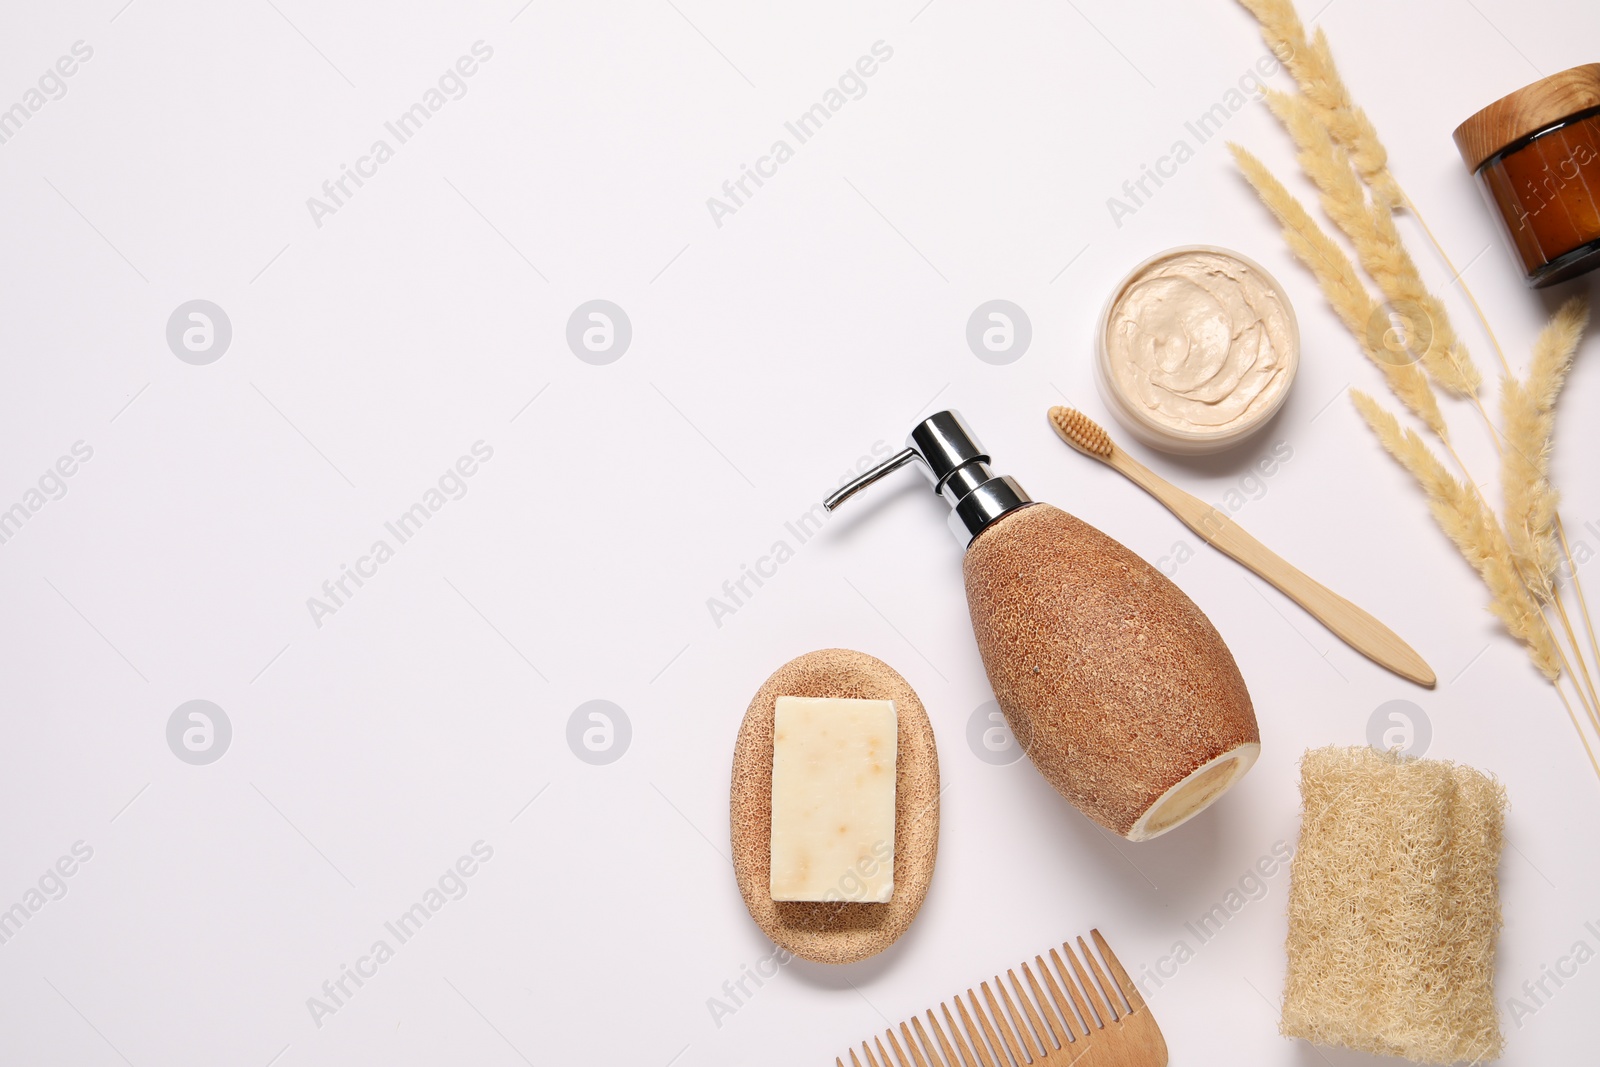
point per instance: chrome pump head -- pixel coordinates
(950, 455)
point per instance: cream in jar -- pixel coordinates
(1198, 347)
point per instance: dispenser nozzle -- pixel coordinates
(958, 467)
(854, 486)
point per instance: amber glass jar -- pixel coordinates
(1536, 155)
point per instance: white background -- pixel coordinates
(768, 355)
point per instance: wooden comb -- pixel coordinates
(1050, 1023)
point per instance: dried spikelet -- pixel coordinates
(1530, 499)
(1355, 132)
(1553, 351)
(1314, 71)
(1473, 529)
(1341, 285)
(1527, 409)
(1378, 246)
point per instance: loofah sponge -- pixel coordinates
(1394, 907)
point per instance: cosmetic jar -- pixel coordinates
(1196, 349)
(1536, 156)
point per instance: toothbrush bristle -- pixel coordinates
(1081, 432)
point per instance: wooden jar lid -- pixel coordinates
(1526, 111)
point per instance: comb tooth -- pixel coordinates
(1038, 1040)
(955, 1031)
(932, 1055)
(1000, 1021)
(1049, 1031)
(1100, 976)
(1086, 1017)
(946, 1052)
(979, 1033)
(1030, 1029)
(1087, 985)
(935, 1058)
(899, 1053)
(1129, 991)
(910, 1044)
(1063, 1009)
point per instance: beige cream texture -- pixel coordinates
(833, 799)
(836, 932)
(1200, 342)
(1394, 907)
(1113, 681)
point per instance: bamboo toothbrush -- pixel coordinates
(1355, 627)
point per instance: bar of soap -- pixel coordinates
(833, 804)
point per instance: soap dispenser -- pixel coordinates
(1115, 684)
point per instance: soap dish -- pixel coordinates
(843, 931)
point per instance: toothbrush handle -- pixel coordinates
(1357, 628)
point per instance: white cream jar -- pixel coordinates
(1196, 349)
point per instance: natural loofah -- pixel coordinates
(1394, 907)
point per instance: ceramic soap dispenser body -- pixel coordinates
(1115, 684)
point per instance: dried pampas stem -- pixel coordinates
(1473, 529)
(1460, 279)
(1311, 63)
(1355, 132)
(1317, 75)
(1325, 94)
(1342, 286)
(1552, 359)
(1527, 411)
(1553, 352)
(1530, 499)
(1383, 255)
(1577, 585)
(1520, 551)
(1576, 726)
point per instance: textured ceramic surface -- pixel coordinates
(1115, 683)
